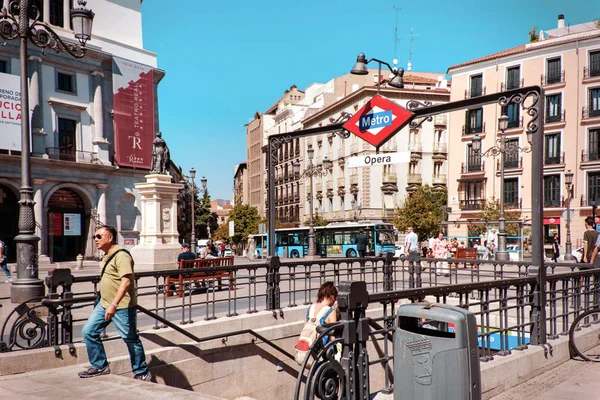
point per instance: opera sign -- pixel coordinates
(378, 120)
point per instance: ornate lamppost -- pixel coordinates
(310, 171)
(203, 192)
(193, 244)
(569, 186)
(501, 148)
(22, 19)
(360, 68)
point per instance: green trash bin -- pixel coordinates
(435, 353)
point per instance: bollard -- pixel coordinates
(79, 259)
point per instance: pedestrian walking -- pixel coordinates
(589, 240)
(555, 248)
(3, 262)
(440, 250)
(361, 241)
(117, 303)
(411, 243)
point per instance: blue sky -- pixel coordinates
(226, 60)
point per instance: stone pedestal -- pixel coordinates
(159, 240)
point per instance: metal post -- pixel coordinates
(193, 244)
(568, 247)
(378, 77)
(27, 285)
(271, 161)
(311, 229)
(502, 254)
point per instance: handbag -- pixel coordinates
(98, 296)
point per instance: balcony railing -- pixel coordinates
(341, 153)
(474, 92)
(472, 167)
(439, 179)
(590, 155)
(515, 202)
(590, 72)
(440, 148)
(510, 163)
(474, 204)
(556, 118)
(341, 182)
(414, 179)
(354, 179)
(553, 79)
(553, 202)
(589, 200)
(554, 159)
(415, 147)
(440, 119)
(390, 178)
(354, 148)
(473, 129)
(587, 113)
(512, 85)
(56, 153)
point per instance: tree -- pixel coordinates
(204, 217)
(317, 220)
(423, 211)
(491, 212)
(245, 219)
(222, 234)
(533, 36)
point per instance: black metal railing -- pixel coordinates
(560, 117)
(554, 159)
(552, 79)
(476, 91)
(472, 129)
(589, 113)
(66, 154)
(472, 204)
(512, 84)
(592, 71)
(472, 166)
(590, 155)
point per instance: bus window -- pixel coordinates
(385, 238)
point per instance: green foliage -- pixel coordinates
(422, 211)
(491, 212)
(317, 220)
(246, 221)
(533, 36)
(204, 217)
(222, 234)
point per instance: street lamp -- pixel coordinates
(203, 193)
(192, 176)
(310, 171)
(501, 149)
(360, 68)
(569, 186)
(22, 19)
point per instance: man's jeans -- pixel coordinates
(125, 321)
(5, 267)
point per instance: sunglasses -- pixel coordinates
(98, 236)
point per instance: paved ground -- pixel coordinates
(573, 380)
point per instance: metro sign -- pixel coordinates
(378, 120)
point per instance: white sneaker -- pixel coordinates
(9, 280)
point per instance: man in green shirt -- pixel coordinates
(117, 304)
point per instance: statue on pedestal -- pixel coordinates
(160, 156)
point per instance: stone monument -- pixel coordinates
(159, 240)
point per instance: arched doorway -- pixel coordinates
(66, 226)
(9, 217)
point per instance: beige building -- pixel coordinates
(566, 63)
(240, 184)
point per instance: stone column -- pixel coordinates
(102, 203)
(67, 14)
(36, 106)
(98, 115)
(41, 228)
(46, 16)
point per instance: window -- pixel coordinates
(513, 78)
(553, 71)
(474, 121)
(594, 102)
(513, 112)
(4, 66)
(473, 159)
(472, 196)
(65, 82)
(552, 191)
(56, 12)
(511, 192)
(593, 189)
(66, 139)
(553, 108)
(511, 158)
(594, 63)
(476, 86)
(552, 153)
(594, 145)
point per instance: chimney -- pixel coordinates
(561, 20)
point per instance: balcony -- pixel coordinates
(558, 159)
(470, 130)
(587, 113)
(389, 178)
(472, 167)
(297, 151)
(64, 154)
(553, 79)
(354, 149)
(510, 163)
(415, 147)
(559, 118)
(440, 179)
(440, 148)
(414, 179)
(341, 182)
(511, 85)
(474, 204)
(587, 155)
(296, 197)
(319, 187)
(440, 120)
(591, 72)
(341, 153)
(474, 92)
(516, 202)
(390, 147)
(329, 184)
(354, 179)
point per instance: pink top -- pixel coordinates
(440, 248)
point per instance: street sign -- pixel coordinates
(231, 228)
(371, 160)
(262, 228)
(378, 120)
(571, 215)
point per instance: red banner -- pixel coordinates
(551, 221)
(133, 89)
(56, 224)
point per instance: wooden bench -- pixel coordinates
(202, 265)
(468, 253)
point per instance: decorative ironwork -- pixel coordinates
(343, 117)
(275, 144)
(27, 332)
(413, 105)
(532, 110)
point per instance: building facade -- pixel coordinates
(240, 184)
(92, 127)
(566, 62)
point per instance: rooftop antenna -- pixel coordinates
(396, 39)
(410, 53)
